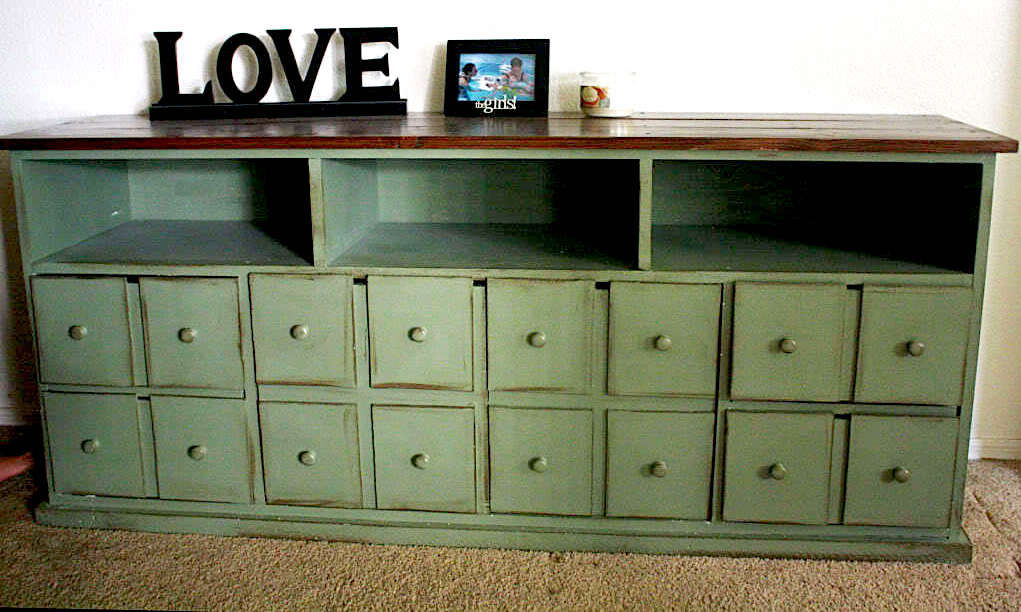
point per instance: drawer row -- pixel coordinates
(810, 469)
(795, 342)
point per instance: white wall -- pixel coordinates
(65, 59)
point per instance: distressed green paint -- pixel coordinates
(539, 335)
(879, 445)
(223, 461)
(894, 316)
(207, 306)
(420, 332)
(310, 454)
(303, 329)
(798, 447)
(812, 316)
(659, 464)
(683, 319)
(425, 458)
(540, 460)
(84, 331)
(96, 444)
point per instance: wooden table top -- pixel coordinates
(653, 131)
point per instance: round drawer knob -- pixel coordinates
(299, 332)
(788, 345)
(418, 334)
(538, 464)
(307, 457)
(90, 446)
(77, 332)
(777, 471)
(663, 343)
(901, 474)
(537, 339)
(658, 469)
(420, 461)
(916, 348)
(187, 335)
(197, 452)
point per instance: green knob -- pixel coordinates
(663, 343)
(788, 345)
(658, 469)
(538, 464)
(916, 348)
(90, 446)
(537, 339)
(420, 461)
(418, 334)
(77, 332)
(901, 474)
(307, 457)
(777, 471)
(299, 332)
(197, 452)
(187, 335)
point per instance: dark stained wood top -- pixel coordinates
(657, 131)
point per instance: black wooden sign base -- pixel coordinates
(158, 112)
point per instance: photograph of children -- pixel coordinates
(493, 75)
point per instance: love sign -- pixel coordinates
(357, 100)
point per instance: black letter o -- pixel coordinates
(264, 69)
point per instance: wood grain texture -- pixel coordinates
(645, 131)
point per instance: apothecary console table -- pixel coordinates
(669, 333)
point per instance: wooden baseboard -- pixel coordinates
(12, 416)
(994, 448)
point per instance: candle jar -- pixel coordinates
(607, 94)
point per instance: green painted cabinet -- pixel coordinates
(88, 331)
(303, 329)
(540, 335)
(540, 460)
(913, 343)
(420, 332)
(659, 464)
(97, 444)
(193, 333)
(310, 454)
(204, 449)
(777, 467)
(788, 341)
(425, 458)
(900, 470)
(664, 339)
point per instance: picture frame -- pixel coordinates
(496, 78)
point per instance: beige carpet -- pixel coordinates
(44, 566)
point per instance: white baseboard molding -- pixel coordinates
(994, 448)
(14, 416)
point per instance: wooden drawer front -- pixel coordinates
(900, 471)
(777, 467)
(788, 342)
(303, 329)
(310, 454)
(95, 444)
(84, 331)
(202, 449)
(425, 458)
(913, 344)
(540, 460)
(420, 332)
(664, 339)
(659, 464)
(539, 335)
(192, 332)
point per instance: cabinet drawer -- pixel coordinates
(663, 339)
(303, 330)
(913, 344)
(777, 467)
(539, 335)
(659, 464)
(420, 332)
(84, 328)
(425, 458)
(788, 342)
(900, 471)
(202, 449)
(540, 460)
(192, 332)
(96, 444)
(310, 454)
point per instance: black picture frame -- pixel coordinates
(487, 94)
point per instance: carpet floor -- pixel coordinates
(56, 567)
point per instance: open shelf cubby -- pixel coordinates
(798, 216)
(169, 211)
(482, 213)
